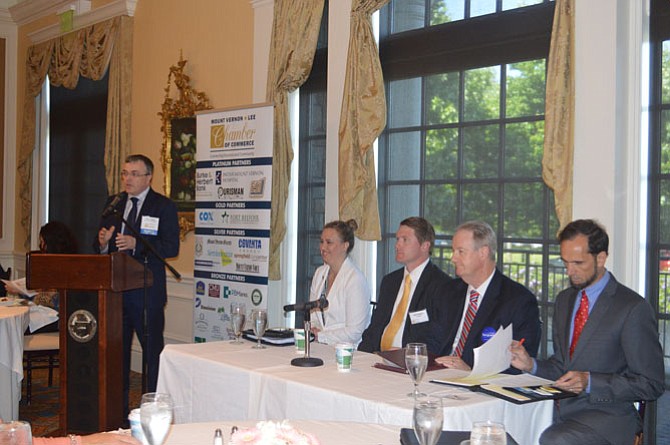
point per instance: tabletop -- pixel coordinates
(222, 381)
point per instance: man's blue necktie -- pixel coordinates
(132, 217)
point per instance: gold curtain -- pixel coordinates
(295, 31)
(85, 52)
(362, 119)
(557, 161)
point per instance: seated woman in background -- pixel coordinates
(343, 285)
(55, 237)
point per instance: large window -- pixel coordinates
(465, 86)
(312, 170)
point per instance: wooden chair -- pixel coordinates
(5, 275)
(40, 351)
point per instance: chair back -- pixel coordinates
(5, 275)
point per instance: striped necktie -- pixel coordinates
(467, 322)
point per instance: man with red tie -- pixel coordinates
(606, 347)
(482, 299)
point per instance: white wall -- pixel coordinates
(607, 126)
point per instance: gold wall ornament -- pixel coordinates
(178, 155)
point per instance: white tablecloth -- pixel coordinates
(13, 322)
(221, 381)
(328, 433)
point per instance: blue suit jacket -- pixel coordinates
(619, 346)
(166, 242)
(429, 290)
(505, 302)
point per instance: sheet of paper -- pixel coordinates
(21, 285)
(493, 356)
(516, 380)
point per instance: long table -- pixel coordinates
(222, 381)
(13, 322)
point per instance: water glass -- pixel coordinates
(416, 361)
(488, 433)
(16, 432)
(259, 320)
(237, 319)
(428, 418)
(156, 416)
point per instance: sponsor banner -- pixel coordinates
(232, 216)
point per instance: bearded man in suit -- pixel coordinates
(606, 347)
(154, 217)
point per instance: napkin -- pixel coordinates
(41, 316)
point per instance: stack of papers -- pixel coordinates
(491, 359)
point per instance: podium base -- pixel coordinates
(307, 362)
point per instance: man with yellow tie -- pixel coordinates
(407, 305)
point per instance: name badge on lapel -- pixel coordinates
(149, 225)
(418, 317)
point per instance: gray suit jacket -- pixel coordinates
(620, 347)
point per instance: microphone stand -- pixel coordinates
(148, 249)
(306, 361)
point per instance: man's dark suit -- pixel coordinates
(505, 302)
(429, 290)
(166, 243)
(619, 346)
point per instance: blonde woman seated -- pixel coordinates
(343, 285)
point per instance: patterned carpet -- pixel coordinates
(42, 413)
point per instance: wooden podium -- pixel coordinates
(91, 332)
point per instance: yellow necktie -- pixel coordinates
(398, 317)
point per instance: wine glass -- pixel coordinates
(259, 320)
(15, 432)
(488, 433)
(156, 416)
(416, 361)
(428, 419)
(237, 319)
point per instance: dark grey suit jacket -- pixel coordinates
(429, 290)
(619, 346)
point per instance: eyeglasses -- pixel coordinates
(133, 174)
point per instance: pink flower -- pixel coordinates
(249, 436)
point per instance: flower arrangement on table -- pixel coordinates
(272, 433)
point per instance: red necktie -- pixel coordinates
(580, 320)
(467, 322)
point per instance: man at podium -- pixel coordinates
(154, 218)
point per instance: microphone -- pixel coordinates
(321, 303)
(111, 207)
